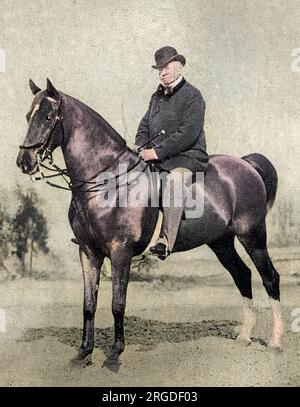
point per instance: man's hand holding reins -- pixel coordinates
(148, 154)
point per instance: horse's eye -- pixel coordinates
(48, 117)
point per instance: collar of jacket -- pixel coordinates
(161, 88)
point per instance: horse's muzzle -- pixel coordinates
(26, 161)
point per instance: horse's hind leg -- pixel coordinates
(229, 258)
(91, 267)
(255, 245)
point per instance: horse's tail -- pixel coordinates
(267, 172)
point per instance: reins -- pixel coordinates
(63, 173)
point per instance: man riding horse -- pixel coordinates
(176, 112)
(238, 194)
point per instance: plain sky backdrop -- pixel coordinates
(238, 52)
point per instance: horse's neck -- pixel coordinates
(90, 144)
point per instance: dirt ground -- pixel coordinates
(179, 332)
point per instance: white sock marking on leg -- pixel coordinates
(278, 325)
(249, 319)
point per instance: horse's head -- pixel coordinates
(44, 132)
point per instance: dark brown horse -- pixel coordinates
(238, 193)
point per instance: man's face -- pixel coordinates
(169, 73)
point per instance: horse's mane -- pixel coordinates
(100, 122)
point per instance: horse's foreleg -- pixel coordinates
(91, 275)
(120, 275)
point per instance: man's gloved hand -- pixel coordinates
(148, 154)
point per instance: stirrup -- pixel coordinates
(160, 250)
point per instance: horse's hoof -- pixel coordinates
(244, 340)
(112, 363)
(275, 347)
(81, 361)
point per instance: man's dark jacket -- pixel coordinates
(181, 115)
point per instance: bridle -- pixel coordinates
(45, 152)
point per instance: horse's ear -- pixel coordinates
(52, 92)
(34, 88)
